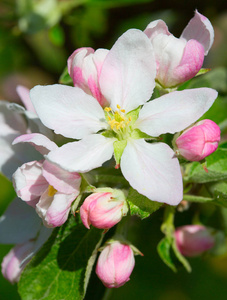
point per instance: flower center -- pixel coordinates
(118, 121)
(51, 191)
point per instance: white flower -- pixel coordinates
(127, 79)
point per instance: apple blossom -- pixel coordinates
(115, 264)
(122, 127)
(20, 225)
(178, 60)
(198, 141)
(45, 186)
(193, 240)
(103, 209)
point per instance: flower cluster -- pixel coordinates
(109, 115)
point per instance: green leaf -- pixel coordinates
(141, 205)
(169, 242)
(119, 147)
(216, 165)
(135, 210)
(60, 270)
(203, 71)
(65, 78)
(164, 248)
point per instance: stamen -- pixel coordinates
(117, 119)
(51, 191)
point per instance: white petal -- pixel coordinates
(68, 110)
(39, 141)
(199, 28)
(128, 72)
(156, 27)
(153, 171)
(175, 111)
(85, 155)
(19, 223)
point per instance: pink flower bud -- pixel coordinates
(199, 141)
(11, 264)
(193, 240)
(115, 264)
(103, 210)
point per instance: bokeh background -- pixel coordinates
(36, 38)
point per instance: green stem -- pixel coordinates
(168, 221)
(107, 294)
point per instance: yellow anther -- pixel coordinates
(109, 118)
(51, 191)
(123, 110)
(118, 106)
(130, 119)
(107, 109)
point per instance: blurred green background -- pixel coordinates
(37, 37)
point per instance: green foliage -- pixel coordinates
(62, 268)
(141, 205)
(167, 246)
(65, 78)
(216, 165)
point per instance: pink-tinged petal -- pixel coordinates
(54, 210)
(85, 155)
(156, 27)
(63, 181)
(19, 223)
(76, 64)
(24, 95)
(99, 57)
(199, 28)
(128, 72)
(29, 182)
(168, 54)
(11, 265)
(175, 111)
(191, 62)
(153, 170)
(68, 110)
(84, 67)
(37, 140)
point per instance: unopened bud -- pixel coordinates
(115, 264)
(199, 141)
(103, 209)
(193, 240)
